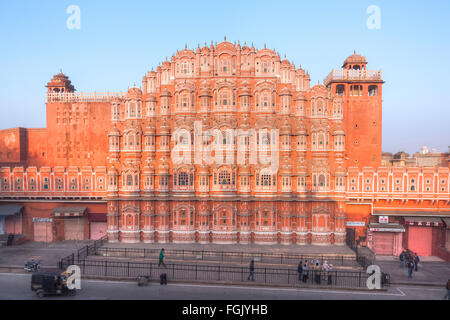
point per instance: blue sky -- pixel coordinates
(120, 40)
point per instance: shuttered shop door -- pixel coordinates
(420, 240)
(42, 231)
(98, 230)
(384, 243)
(74, 229)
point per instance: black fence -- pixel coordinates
(82, 253)
(213, 273)
(208, 273)
(238, 257)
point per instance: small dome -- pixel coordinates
(134, 92)
(113, 171)
(244, 91)
(285, 91)
(338, 131)
(301, 169)
(301, 128)
(205, 92)
(300, 96)
(150, 97)
(355, 59)
(60, 76)
(150, 129)
(164, 167)
(149, 168)
(165, 93)
(340, 170)
(244, 169)
(114, 131)
(285, 127)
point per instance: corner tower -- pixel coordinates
(60, 83)
(361, 90)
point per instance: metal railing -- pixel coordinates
(344, 74)
(238, 257)
(208, 273)
(212, 273)
(84, 96)
(82, 253)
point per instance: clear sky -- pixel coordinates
(118, 41)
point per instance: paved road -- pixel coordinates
(17, 286)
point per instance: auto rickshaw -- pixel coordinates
(50, 283)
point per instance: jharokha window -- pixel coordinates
(356, 90)
(183, 179)
(224, 178)
(373, 91)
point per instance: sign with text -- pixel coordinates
(383, 219)
(36, 219)
(355, 223)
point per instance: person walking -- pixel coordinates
(402, 259)
(408, 255)
(317, 273)
(252, 271)
(326, 269)
(410, 266)
(300, 270)
(161, 258)
(305, 272)
(447, 296)
(416, 262)
(330, 269)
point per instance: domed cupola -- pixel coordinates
(355, 62)
(60, 83)
(114, 132)
(134, 93)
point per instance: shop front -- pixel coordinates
(11, 219)
(97, 225)
(74, 221)
(422, 234)
(385, 238)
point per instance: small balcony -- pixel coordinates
(84, 96)
(342, 75)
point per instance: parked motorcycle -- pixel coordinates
(143, 281)
(32, 266)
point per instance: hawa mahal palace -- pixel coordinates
(109, 164)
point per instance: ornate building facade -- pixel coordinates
(221, 144)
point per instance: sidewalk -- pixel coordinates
(48, 253)
(431, 271)
(250, 248)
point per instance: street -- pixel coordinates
(17, 286)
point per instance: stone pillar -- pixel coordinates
(113, 221)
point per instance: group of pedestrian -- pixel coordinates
(317, 270)
(409, 260)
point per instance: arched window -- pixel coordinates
(225, 98)
(340, 90)
(321, 180)
(356, 90)
(129, 180)
(185, 67)
(183, 179)
(225, 68)
(265, 100)
(373, 91)
(266, 179)
(265, 138)
(321, 140)
(224, 177)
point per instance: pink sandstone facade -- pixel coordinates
(115, 159)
